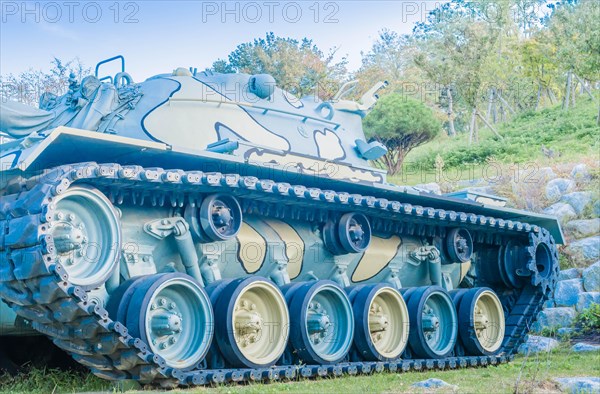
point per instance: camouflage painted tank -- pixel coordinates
(199, 227)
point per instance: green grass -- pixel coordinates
(525, 374)
(573, 133)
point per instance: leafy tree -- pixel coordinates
(401, 123)
(574, 29)
(298, 66)
(28, 86)
(387, 60)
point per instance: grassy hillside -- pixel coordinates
(573, 134)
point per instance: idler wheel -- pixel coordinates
(381, 322)
(351, 234)
(251, 321)
(173, 315)
(433, 322)
(481, 320)
(512, 260)
(322, 321)
(459, 245)
(218, 218)
(87, 235)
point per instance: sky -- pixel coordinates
(158, 36)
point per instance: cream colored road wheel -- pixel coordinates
(381, 322)
(252, 322)
(482, 323)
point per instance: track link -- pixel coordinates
(37, 287)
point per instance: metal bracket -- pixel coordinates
(180, 229)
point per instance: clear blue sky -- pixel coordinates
(157, 36)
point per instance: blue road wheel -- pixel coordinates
(433, 322)
(251, 322)
(173, 315)
(87, 235)
(322, 322)
(481, 320)
(381, 322)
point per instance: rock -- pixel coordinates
(545, 174)
(549, 303)
(586, 249)
(481, 189)
(565, 331)
(433, 384)
(578, 200)
(583, 228)
(591, 277)
(579, 385)
(562, 211)
(554, 318)
(586, 300)
(430, 187)
(470, 182)
(571, 273)
(558, 187)
(567, 292)
(585, 347)
(580, 173)
(536, 344)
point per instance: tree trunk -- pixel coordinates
(472, 134)
(450, 113)
(539, 96)
(490, 126)
(585, 87)
(507, 105)
(573, 93)
(567, 91)
(490, 103)
(551, 96)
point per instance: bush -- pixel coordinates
(589, 319)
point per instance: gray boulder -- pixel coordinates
(580, 173)
(586, 249)
(578, 200)
(585, 347)
(565, 331)
(537, 344)
(586, 300)
(545, 174)
(562, 211)
(433, 384)
(579, 385)
(571, 273)
(430, 187)
(558, 187)
(567, 292)
(583, 228)
(591, 277)
(554, 318)
(549, 303)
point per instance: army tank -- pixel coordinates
(199, 228)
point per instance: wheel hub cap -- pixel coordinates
(378, 322)
(69, 234)
(319, 322)
(166, 323)
(248, 323)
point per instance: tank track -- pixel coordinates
(38, 288)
